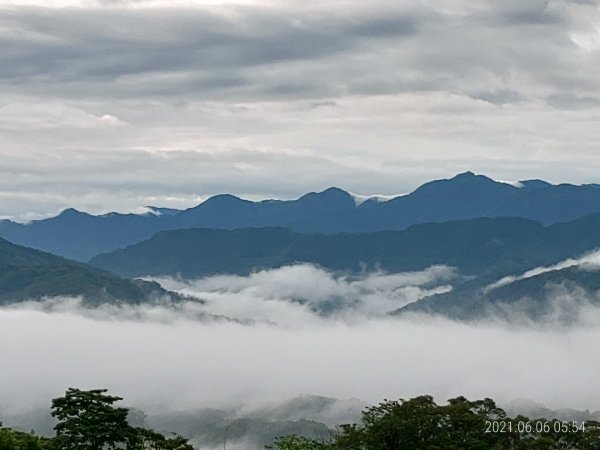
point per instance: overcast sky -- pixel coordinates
(111, 105)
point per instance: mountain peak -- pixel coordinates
(471, 176)
(71, 212)
(333, 189)
(535, 184)
(465, 180)
(467, 174)
(223, 200)
(333, 197)
(333, 192)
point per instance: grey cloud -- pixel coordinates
(499, 97)
(573, 101)
(105, 44)
(390, 26)
(87, 180)
(187, 51)
(93, 95)
(254, 52)
(99, 182)
(535, 12)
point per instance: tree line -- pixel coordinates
(89, 420)
(421, 424)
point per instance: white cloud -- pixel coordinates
(190, 364)
(168, 358)
(44, 117)
(591, 260)
(304, 294)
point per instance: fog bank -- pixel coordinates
(303, 294)
(190, 364)
(278, 334)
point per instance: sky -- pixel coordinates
(113, 105)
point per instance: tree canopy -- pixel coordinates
(90, 420)
(421, 424)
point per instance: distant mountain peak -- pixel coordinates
(334, 190)
(160, 211)
(466, 181)
(329, 192)
(535, 184)
(467, 174)
(332, 197)
(467, 195)
(471, 176)
(223, 199)
(72, 212)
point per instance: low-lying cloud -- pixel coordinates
(192, 364)
(588, 261)
(301, 294)
(164, 358)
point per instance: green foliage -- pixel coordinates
(151, 440)
(295, 443)
(17, 440)
(88, 420)
(421, 424)
(254, 429)
(27, 274)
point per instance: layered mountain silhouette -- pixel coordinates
(483, 250)
(80, 236)
(493, 247)
(27, 274)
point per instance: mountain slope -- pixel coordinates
(27, 274)
(491, 247)
(80, 236)
(557, 295)
(77, 235)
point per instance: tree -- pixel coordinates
(419, 423)
(151, 440)
(87, 420)
(295, 443)
(17, 440)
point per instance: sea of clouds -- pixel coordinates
(267, 337)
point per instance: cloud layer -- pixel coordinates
(170, 358)
(192, 364)
(302, 294)
(115, 104)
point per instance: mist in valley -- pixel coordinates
(246, 344)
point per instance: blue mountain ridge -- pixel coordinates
(80, 236)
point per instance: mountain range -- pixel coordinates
(80, 236)
(485, 229)
(483, 251)
(492, 246)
